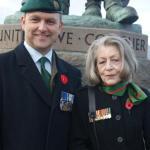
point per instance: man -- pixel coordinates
(36, 87)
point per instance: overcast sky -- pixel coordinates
(77, 7)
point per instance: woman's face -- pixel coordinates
(109, 64)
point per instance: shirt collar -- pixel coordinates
(37, 55)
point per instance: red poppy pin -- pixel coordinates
(64, 79)
(128, 105)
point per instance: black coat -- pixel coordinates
(30, 117)
(125, 130)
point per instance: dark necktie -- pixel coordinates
(44, 73)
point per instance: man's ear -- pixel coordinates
(61, 26)
(22, 22)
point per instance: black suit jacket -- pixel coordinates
(30, 117)
(125, 130)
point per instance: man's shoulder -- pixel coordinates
(6, 55)
(10, 52)
(7, 58)
(68, 66)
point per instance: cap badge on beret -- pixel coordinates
(56, 4)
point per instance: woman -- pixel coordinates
(122, 119)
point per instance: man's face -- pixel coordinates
(41, 29)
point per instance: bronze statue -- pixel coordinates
(116, 10)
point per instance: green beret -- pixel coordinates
(50, 6)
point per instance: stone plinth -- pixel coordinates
(74, 39)
(83, 21)
(97, 22)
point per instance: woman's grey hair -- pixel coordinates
(126, 51)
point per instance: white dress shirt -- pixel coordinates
(37, 55)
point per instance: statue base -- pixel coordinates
(97, 22)
(84, 21)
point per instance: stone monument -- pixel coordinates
(80, 31)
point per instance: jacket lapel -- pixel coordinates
(58, 68)
(30, 72)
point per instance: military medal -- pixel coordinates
(103, 114)
(66, 101)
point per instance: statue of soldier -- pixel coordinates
(116, 10)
